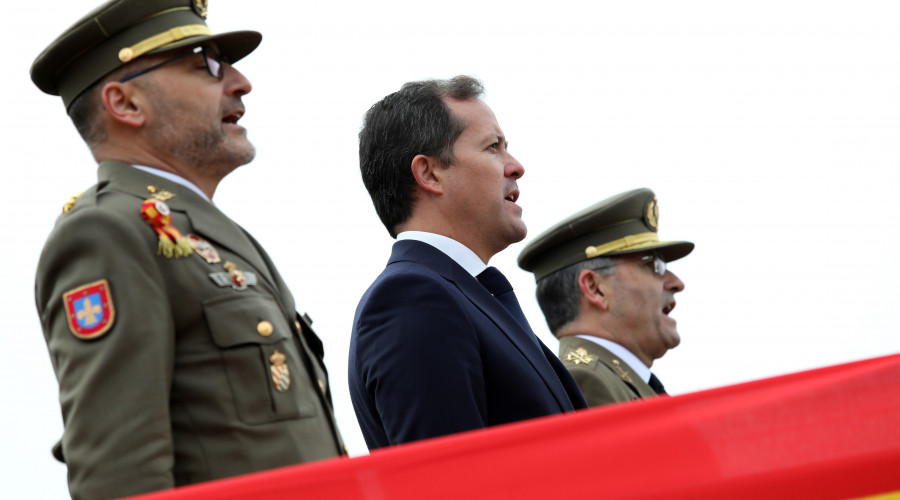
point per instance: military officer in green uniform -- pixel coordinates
(177, 346)
(606, 293)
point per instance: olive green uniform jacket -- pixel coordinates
(185, 386)
(602, 377)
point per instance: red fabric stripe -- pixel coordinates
(830, 433)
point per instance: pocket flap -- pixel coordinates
(245, 320)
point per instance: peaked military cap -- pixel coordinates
(120, 31)
(619, 225)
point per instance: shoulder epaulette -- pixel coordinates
(70, 203)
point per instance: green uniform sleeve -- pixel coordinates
(114, 389)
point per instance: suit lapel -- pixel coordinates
(482, 299)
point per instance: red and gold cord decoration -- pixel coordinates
(171, 242)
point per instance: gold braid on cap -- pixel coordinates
(157, 41)
(625, 243)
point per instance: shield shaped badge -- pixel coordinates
(89, 309)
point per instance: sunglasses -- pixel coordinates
(214, 63)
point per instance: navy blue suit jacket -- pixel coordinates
(433, 353)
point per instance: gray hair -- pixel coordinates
(558, 293)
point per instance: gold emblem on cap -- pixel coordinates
(651, 214)
(264, 328)
(201, 7)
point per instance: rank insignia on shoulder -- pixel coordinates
(281, 375)
(70, 203)
(579, 356)
(237, 279)
(204, 249)
(90, 310)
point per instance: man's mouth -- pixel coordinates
(668, 308)
(512, 196)
(233, 117)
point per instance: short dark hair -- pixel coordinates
(558, 293)
(84, 113)
(412, 121)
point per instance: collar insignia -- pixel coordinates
(622, 372)
(579, 356)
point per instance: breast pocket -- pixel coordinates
(261, 358)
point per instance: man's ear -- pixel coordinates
(123, 104)
(425, 170)
(594, 289)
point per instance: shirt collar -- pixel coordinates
(174, 178)
(639, 368)
(455, 250)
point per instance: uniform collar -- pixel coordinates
(639, 368)
(174, 178)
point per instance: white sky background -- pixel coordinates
(769, 130)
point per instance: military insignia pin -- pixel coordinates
(579, 356)
(235, 278)
(651, 214)
(622, 372)
(204, 249)
(201, 7)
(281, 375)
(90, 310)
(70, 204)
(171, 242)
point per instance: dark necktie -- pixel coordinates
(497, 284)
(656, 385)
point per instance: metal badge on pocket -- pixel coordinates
(281, 375)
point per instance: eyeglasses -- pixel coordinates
(653, 261)
(212, 59)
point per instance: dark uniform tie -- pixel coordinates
(656, 385)
(499, 286)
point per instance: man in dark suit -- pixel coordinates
(606, 292)
(177, 346)
(439, 344)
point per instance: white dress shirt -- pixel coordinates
(452, 248)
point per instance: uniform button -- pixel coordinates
(264, 328)
(322, 386)
(299, 328)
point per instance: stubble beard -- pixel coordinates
(206, 148)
